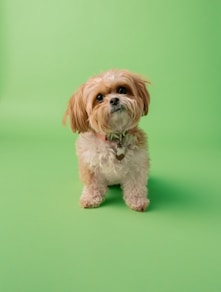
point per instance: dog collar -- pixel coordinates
(118, 139)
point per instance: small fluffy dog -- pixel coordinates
(105, 111)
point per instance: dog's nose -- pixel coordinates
(114, 101)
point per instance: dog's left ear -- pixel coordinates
(143, 92)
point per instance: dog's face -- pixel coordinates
(111, 102)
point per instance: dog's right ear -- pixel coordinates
(77, 112)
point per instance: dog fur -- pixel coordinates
(111, 149)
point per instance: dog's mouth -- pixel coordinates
(117, 108)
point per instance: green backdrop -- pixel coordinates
(47, 242)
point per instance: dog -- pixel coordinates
(111, 149)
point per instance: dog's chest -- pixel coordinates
(101, 158)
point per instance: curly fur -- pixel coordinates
(98, 163)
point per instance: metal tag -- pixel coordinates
(120, 152)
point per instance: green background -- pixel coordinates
(47, 242)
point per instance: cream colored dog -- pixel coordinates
(111, 148)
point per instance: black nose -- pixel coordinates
(114, 101)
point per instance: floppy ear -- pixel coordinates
(143, 92)
(77, 112)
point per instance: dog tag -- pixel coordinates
(120, 152)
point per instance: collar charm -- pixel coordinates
(120, 151)
(120, 148)
(119, 139)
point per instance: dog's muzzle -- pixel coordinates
(115, 105)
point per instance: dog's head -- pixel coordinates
(111, 102)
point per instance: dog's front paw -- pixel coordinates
(90, 202)
(91, 199)
(137, 203)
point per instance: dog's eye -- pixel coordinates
(121, 90)
(99, 97)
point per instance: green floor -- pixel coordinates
(47, 242)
